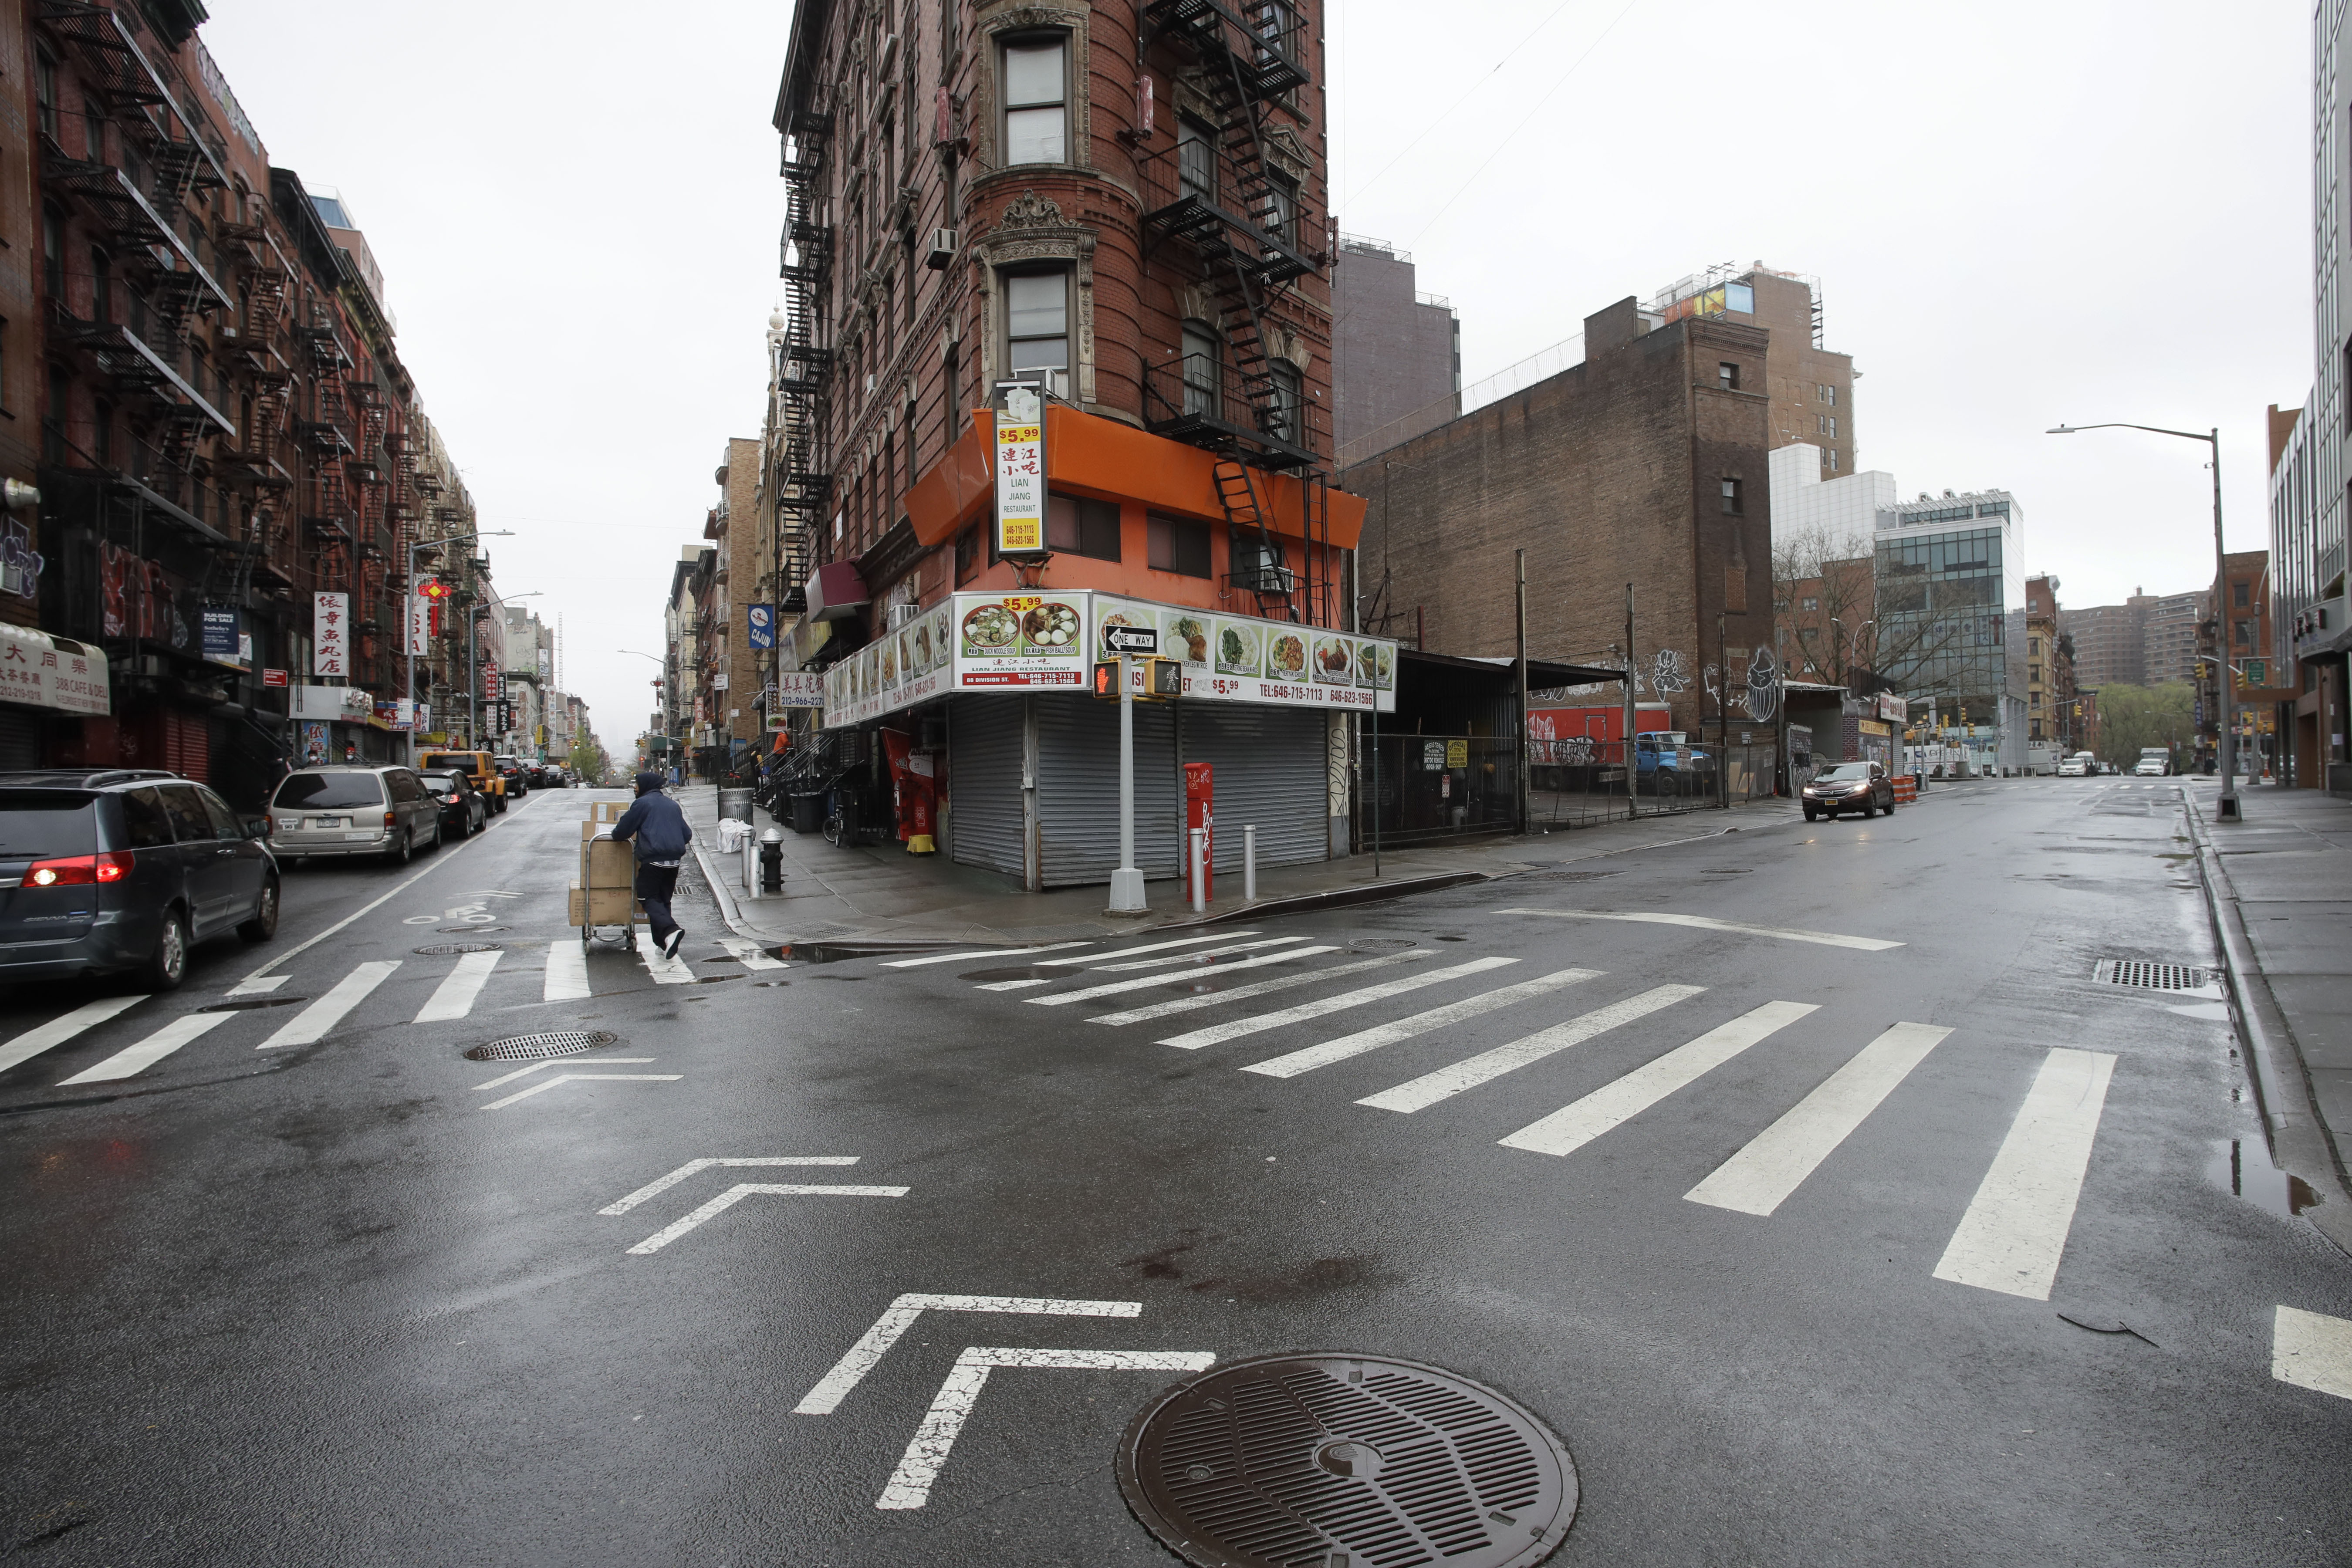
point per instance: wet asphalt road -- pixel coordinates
(319, 1303)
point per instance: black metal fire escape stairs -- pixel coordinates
(1232, 222)
(798, 469)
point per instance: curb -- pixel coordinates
(2301, 1142)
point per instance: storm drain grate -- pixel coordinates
(534, 1047)
(1345, 1461)
(444, 949)
(2147, 976)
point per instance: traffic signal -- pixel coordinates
(1107, 678)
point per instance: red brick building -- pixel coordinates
(1125, 205)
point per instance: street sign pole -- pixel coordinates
(1127, 882)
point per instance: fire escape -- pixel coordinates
(253, 355)
(798, 466)
(1238, 397)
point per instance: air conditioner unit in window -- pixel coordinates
(943, 249)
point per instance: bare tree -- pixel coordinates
(1838, 624)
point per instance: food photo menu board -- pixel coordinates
(1047, 641)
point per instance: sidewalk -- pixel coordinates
(883, 895)
(2281, 887)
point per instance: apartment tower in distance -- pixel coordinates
(1396, 352)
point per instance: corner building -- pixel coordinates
(1127, 203)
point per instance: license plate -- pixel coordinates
(357, 838)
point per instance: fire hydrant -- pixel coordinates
(772, 860)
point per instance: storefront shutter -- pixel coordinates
(20, 739)
(1077, 789)
(1268, 773)
(984, 781)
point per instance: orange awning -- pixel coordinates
(1109, 459)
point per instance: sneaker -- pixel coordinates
(676, 940)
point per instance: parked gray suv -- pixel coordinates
(107, 871)
(333, 811)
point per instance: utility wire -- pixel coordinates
(1481, 85)
(1523, 124)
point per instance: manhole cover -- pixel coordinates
(1346, 1461)
(2151, 976)
(532, 1047)
(1381, 944)
(444, 949)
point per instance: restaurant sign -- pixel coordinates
(43, 671)
(1048, 641)
(1019, 465)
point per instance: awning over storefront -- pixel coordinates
(1087, 452)
(44, 671)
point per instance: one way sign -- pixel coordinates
(1131, 640)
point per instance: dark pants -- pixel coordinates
(655, 886)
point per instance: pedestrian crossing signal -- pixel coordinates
(1163, 679)
(1106, 678)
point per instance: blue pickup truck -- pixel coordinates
(1666, 764)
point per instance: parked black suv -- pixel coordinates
(124, 870)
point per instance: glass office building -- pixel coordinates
(1951, 618)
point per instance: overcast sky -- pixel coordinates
(2020, 214)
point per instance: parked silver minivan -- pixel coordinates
(333, 812)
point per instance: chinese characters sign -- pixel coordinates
(331, 635)
(52, 673)
(1021, 474)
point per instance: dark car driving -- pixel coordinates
(124, 870)
(1850, 786)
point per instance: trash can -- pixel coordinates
(735, 805)
(808, 812)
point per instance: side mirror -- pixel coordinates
(256, 827)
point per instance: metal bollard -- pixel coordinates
(1249, 863)
(1199, 882)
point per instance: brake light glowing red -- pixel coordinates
(79, 870)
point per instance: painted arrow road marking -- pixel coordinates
(910, 1484)
(543, 1085)
(742, 1190)
(835, 1385)
(655, 1188)
(556, 1062)
(1706, 922)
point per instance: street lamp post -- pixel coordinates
(2226, 683)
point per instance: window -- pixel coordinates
(1811, 603)
(93, 130)
(1833, 426)
(101, 288)
(189, 822)
(1199, 369)
(144, 819)
(1037, 317)
(1827, 395)
(1281, 215)
(1196, 159)
(967, 556)
(1256, 562)
(227, 826)
(1283, 422)
(53, 426)
(1728, 374)
(2241, 633)
(2239, 593)
(1177, 546)
(1831, 455)
(53, 253)
(102, 433)
(1733, 503)
(1036, 117)
(44, 92)
(1079, 527)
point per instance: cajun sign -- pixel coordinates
(1021, 473)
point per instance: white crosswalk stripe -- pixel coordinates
(751, 954)
(665, 970)
(1573, 1127)
(1429, 1089)
(64, 1027)
(1776, 1161)
(311, 1024)
(1306, 1060)
(454, 997)
(1137, 983)
(1256, 988)
(567, 974)
(1150, 947)
(979, 953)
(1217, 1034)
(1169, 960)
(2015, 1229)
(134, 1060)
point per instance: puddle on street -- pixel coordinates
(2245, 1170)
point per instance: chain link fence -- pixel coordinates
(1417, 789)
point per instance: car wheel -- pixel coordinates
(1869, 808)
(168, 964)
(1810, 815)
(398, 853)
(264, 923)
(436, 834)
(289, 862)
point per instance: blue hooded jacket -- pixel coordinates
(654, 821)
